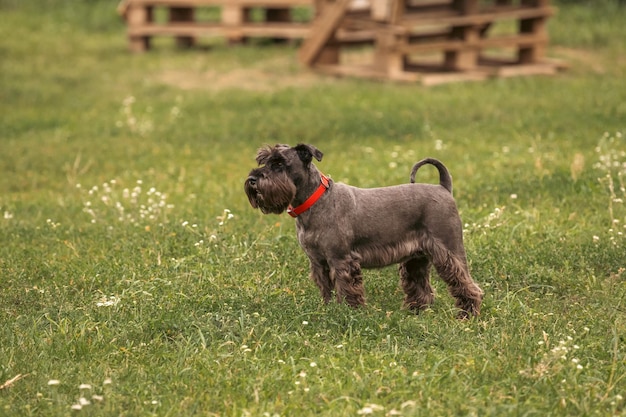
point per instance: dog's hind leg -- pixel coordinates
(415, 282)
(452, 268)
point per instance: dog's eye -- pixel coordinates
(277, 166)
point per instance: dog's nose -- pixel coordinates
(251, 180)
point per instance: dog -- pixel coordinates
(342, 228)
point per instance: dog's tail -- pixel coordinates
(445, 180)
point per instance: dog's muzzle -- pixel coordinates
(250, 186)
(270, 194)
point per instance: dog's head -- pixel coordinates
(273, 185)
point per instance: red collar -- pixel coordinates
(295, 212)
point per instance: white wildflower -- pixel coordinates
(370, 409)
(107, 302)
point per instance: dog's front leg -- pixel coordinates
(348, 279)
(320, 274)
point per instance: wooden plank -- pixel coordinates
(532, 53)
(243, 3)
(428, 36)
(432, 11)
(137, 16)
(479, 43)
(177, 29)
(278, 30)
(428, 4)
(355, 37)
(232, 15)
(464, 58)
(535, 53)
(381, 9)
(397, 9)
(411, 20)
(386, 59)
(446, 45)
(357, 23)
(322, 30)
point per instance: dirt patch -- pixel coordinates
(267, 77)
(586, 57)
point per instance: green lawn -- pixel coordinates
(136, 280)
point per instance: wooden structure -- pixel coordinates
(430, 41)
(427, 41)
(235, 21)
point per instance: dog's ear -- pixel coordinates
(307, 152)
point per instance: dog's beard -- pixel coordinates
(271, 195)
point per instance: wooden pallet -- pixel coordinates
(235, 22)
(432, 41)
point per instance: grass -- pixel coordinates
(187, 301)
